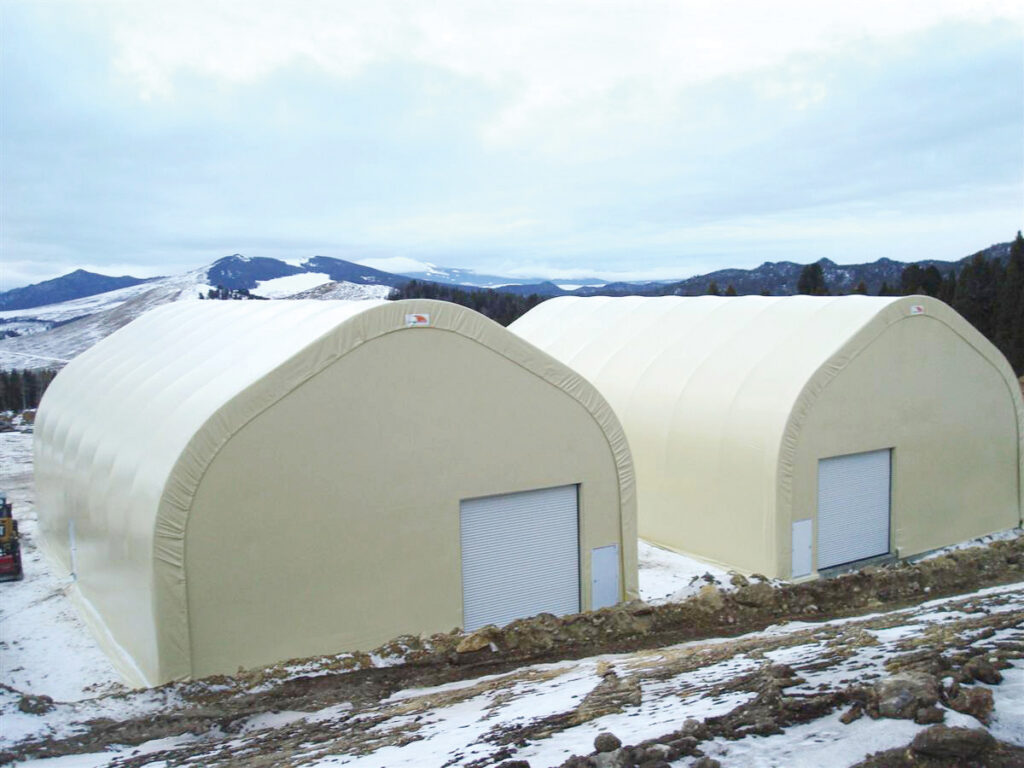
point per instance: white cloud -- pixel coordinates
(570, 62)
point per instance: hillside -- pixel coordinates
(75, 285)
(49, 336)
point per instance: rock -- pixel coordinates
(759, 595)
(856, 712)
(691, 725)
(479, 640)
(684, 745)
(781, 671)
(929, 715)
(607, 742)
(945, 742)
(617, 758)
(976, 702)
(900, 696)
(514, 764)
(35, 705)
(982, 670)
(656, 752)
(710, 598)
(706, 762)
(738, 580)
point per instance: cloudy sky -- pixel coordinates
(639, 139)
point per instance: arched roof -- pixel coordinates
(726, 381)
(126, 431)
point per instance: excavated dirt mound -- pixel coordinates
(940, 670)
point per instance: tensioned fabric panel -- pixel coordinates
(853, 507)
(520, 556)
(713, 392)
(127, 430)
(703, 387)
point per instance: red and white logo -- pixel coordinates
(414, 320)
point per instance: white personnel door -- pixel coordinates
(520, 556)
(853, 507)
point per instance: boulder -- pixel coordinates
(759, 595)
(981, 669)
(976, 702)
(941, 741)
(901, 696)
(482, 638)
(929, 715)
(856, 712)
(607, 742)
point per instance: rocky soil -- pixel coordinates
(636, 685)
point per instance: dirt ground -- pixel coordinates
(211, 722)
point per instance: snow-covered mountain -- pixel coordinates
(75, 285)
(424, 270)
(51, 335)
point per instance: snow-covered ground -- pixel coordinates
(46, 649)
(69, 310)
(280, 287)
(666, 575)
(51, 336)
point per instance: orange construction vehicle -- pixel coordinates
(10, 544)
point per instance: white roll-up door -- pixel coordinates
(853, 507)
(520, 556)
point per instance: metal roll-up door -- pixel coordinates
(853, 507)
(520, 556)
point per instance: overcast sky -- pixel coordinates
(630, 139)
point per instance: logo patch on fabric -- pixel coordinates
(916, 309)
(414, 320)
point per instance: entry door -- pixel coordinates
(853, 507)
(520, 556)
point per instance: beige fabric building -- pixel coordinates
(238, 483)
(790, 435)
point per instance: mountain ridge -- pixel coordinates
(238, 272)
(74, 285)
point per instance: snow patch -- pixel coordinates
(667, 576)
(280, 287)
(399, 265)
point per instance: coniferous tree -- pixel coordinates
(862, 288)
(931, 281)
(730, 290)
(501, 307)
(1009, 316)
(948, 289)
(975, 296)
(713, 289)
(812, 281)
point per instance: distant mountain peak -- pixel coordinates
(74, 285)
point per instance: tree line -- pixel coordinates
(987, 292)
(22, 390)
(501, 307)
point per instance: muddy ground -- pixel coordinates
(244, 720)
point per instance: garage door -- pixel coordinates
(520, 556)
(853, 507)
